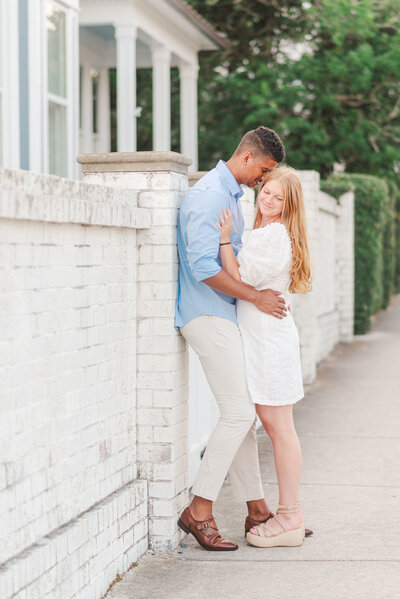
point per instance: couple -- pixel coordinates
(232, 308)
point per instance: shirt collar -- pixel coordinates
(230, 181)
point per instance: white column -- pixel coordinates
(188, 77)
(161, 59)
(126, 87)
(345, 267)
(87, 110)
(103, 112)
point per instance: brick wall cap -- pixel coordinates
(134, 162)
(195, 176)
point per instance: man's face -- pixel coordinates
(255, 168)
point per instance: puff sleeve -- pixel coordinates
(266, 256)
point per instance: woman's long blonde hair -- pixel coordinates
(294, 218)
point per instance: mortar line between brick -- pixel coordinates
(68, 525)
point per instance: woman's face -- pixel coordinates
(270, 201)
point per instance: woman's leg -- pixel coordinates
(279, 425)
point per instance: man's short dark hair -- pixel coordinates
(262, 141)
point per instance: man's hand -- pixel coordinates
(267, 300)
(271, 302)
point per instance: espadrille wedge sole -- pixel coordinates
(288, 538)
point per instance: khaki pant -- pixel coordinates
(233, 443)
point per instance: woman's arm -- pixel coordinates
(228, 258)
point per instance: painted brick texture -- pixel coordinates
(162, 357)
(68, 441)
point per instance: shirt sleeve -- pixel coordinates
(203, 235)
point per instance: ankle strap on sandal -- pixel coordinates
(288, 509)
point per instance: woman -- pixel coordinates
(275, 256)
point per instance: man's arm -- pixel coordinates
(202, 251)
(268, 300)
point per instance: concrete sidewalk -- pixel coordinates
(349, 427)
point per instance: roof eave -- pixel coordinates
(221, 42)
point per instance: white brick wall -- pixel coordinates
(81, 558)
(345, 267)
(325, 278)
(162, 380)
(325, 316)
(68, 260)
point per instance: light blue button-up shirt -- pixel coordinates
(198, 245)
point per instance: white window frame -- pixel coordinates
(72, 74)
(35, 34)
(40, 97)
(9, 56)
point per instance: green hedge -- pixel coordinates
(336, 187)
(396, 277)
(389, 245)
(371, 221)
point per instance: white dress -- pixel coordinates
(271, 345)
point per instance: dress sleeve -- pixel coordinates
(265, 256)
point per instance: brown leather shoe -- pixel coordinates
(250, 522)
(205, 532)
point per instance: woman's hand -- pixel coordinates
(225, 225)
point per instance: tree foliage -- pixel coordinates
(252, 26)
(324, 74)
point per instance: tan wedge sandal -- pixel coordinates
(267, 537)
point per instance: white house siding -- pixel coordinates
(94, 377)
(42, 47)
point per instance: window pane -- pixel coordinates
(95, 92)
(80, 96)
(56, 50)
(57, 140)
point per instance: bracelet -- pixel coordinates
(226, 243)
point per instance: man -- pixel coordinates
(206, 317)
